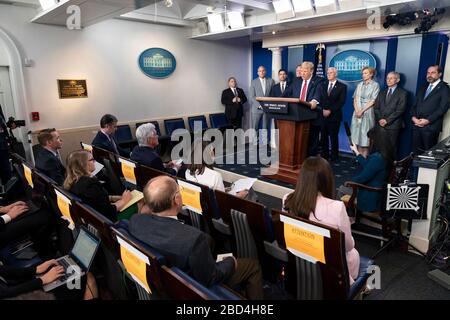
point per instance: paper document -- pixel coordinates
(242, 184)
(98, 168)
(221, 257)
(135, 197)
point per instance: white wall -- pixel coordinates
(106, 54)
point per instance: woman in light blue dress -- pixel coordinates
(363, 116)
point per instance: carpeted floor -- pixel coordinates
(403, 274)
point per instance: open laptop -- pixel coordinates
(81, 256)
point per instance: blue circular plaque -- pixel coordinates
(350, 63)
(157, 63)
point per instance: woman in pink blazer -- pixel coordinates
(313, 200)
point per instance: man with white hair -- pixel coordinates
(390, 107)
(145, 153)
(335, 94)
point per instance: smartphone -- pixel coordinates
(348, 132)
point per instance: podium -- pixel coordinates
(293, 120)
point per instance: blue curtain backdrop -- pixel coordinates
(410, 56)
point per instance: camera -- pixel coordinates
(12, 123)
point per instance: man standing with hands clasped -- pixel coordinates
(428, 111)
(390, 106)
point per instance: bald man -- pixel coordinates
(185, 246)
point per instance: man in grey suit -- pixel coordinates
(390, 106)
(260, 87)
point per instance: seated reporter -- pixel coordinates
(105, 137)
(48, 160)
(313, 200)
(145, 153)
(80, 182)
(203, 172)
(26, 283)
(374, 168)
(16, 223)
(187, 247)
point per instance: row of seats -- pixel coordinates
(165, 282)
(249, 230)
(217, 121)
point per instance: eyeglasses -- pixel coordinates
(92, 160)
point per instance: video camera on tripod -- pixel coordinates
(13, 123)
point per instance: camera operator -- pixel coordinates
(5, 168)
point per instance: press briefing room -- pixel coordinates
(251, 152)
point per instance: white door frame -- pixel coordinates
(18, 90)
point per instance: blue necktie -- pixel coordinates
(428, 91)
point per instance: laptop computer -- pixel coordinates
(81, 257)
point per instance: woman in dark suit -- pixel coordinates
(375, 169)
(233, 98)
(80, 165)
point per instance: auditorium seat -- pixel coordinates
(305, 280)
(123, 133)
(172, 124)
(219, 121)
(200, 120)
(155, 123)
(170, 282)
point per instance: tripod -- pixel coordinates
(404, 201)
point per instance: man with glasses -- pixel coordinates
(428, 112)
(185, 246)
(145, 152)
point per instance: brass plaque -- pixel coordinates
(70, 89)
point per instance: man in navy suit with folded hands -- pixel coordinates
(432, 102)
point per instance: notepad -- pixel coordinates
(242, 184)
(98, 168)
(136, 196)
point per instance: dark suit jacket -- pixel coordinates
(3, 131)
(276, 90)
(150, 158)
(315, 92)
(393, 110)
(183, 246)
(91, 191)
(335, 101)
(17, 281)
(434, 107)
(373, 173)
(50, 165)
(233, 110)
(102, 141)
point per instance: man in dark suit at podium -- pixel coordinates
(333, 101)
(279, 89)
(432, 102)
(309, 88)
(233, 98)
(390, 106)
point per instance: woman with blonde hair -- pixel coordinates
(363, 118)
(79, 181)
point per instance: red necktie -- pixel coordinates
(303, 93)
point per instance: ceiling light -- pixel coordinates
(47, 4)
(302, 5)
(215, 22)
(283, 9)
(325, 6)
(168, 3)
(235, 19)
